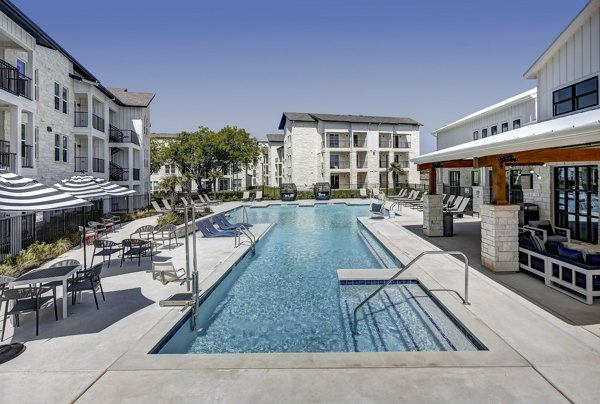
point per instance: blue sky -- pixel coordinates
(243, 63)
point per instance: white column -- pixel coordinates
(90, 153)
(15, 136)
(500, 237)
(433, 216)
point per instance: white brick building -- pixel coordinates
(348, 151)
(57, 119)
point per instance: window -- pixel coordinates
(334, 140)
(65, 100)
(516, 124)
(476, 135)
(36, 79)
(56, 147)
(578, 96)
(494, 130)
(65, 150)
(57, 96)
(504, 127)
(484, 132)
(334, 161)
(576, 201)
(36, 143)
(475, 178)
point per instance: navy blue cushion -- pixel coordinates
(376, 207)
(570, 253)
(592, 259)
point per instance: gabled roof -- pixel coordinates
(571, 130)
(132, 99)
(562, 38)
(314, 117)
(275, 137)
(509, 101)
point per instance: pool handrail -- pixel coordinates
(241, 229)
(465, 299)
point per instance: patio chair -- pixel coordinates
(89, 236)
(144, 232)
(167, 205)
(259, 196)
(450, 201)
(200, 202)
(460, 208)
(99, 227)
(113, 218)
(408, 201)
(108, 224)
(107, 248)
(209, 231)
(26, 299)
(410, 197)
(224, 224)
(167, 232)
(211, 201)
(548, 232)
(157, 208)
(246, 196)
(61, 263)
(401, 194)
(166, 272)
(377, 209)
(135, 247)
(363, 193)
(88, 279)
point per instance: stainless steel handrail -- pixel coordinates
(245, 231)
(465, 299)
(244, 215)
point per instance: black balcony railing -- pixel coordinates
(13, 81)
(97, 122)
(8, 160)
(136, 174)
(97, 165)
(117, 173)
(81, 119)
(27, 156)
(117, 135)
(81, 164)
(339, 165)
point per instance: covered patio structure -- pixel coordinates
(572, 140)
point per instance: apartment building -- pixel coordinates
(348, 151)
(57, 119)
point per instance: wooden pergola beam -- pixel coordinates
(445, 164)
(536, 157)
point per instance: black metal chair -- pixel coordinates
(107, 248)
(133, 247)
(88, 279)
(26, 299)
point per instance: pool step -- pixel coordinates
(401, 318)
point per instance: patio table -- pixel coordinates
(44, 275)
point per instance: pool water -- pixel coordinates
(287, 297)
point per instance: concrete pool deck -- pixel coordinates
(95, 356)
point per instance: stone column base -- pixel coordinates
(500, 237)
(433, 219)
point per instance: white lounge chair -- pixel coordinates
(363, 193)
(165, 272)
(211, 201)
(460, 208)
(246, 196)
(157, 208)
(167, 205)
(259, 196)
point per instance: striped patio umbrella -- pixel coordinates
(82, 186)
(115, 190)
(25, 194)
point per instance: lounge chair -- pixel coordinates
(206, 201)
(408, 201)
(363, 193)
(377, 209)
(454, 202)
(224, 224)
(460, 208)
(450, 201)
(215, 201)
(157, 208)
(259, 196)
(167, 205)
(188, 203)
(410, 197)
(209, 231)
(401, 194)
(246, 196)
(166, 272)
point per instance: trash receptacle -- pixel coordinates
(528, 212)
(448, 224)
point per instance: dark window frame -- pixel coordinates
(475, 179)
(494, 130)
(484, 133)
(572, 97)
(504, 127)
(516, 123)
(475, 135)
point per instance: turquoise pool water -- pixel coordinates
(287, 297)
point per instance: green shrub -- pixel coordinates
(35, 255)
(175, 218)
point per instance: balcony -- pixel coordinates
(339, 165)
(81, 119)
(402, 145)
(384, 164)
(360, 144)
(385, 144)
(361, 164)
(117, 135)
(97, 165)
(136, 174)
(81, 164)
(26, 156)
(8, 160)
(117, 173)
(13, 81)
(403, 163)
(337, 144)
(97, 122)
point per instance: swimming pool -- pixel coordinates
(287, 298)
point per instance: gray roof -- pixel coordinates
(275, 137)
(132, 99)
(314, 117)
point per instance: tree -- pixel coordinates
(396, 170)
(213, 176)
(158, 155)
(170, 183)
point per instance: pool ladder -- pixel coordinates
(244, 231)
(464, 299)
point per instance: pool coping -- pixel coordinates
(499, 353)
